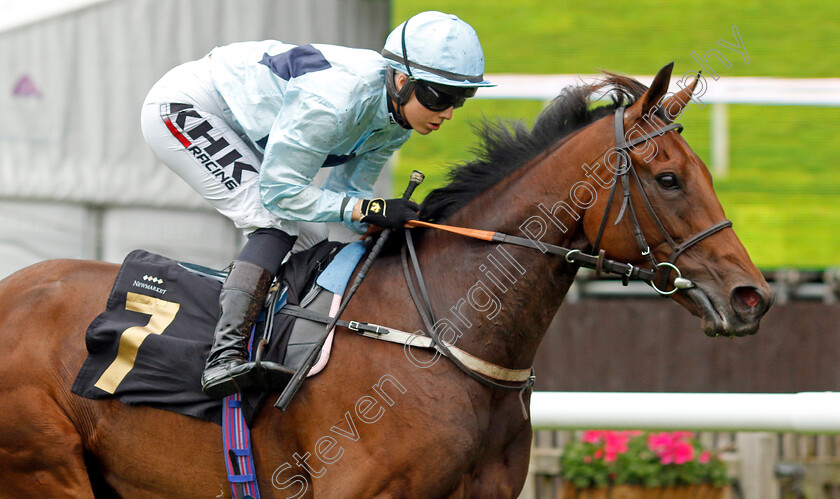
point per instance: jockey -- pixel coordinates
(249, 125)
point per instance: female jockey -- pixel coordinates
(249, 125)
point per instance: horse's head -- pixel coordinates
(662, 197)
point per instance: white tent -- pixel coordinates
(76, 178)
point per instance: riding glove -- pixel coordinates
(389, 213)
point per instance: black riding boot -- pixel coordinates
(228, 370)
(242, 298)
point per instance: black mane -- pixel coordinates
(507, 146)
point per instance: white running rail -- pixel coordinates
(806, 412)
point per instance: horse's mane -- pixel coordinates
(506, 146)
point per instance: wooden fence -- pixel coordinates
(610, 343)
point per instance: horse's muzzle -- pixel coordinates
(738, 316)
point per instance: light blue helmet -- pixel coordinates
(438, 48)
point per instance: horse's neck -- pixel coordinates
(504, 297)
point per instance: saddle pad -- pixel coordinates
(338, 273)
(150, 344)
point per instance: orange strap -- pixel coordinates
(478, 234)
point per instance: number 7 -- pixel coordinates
(162, 314)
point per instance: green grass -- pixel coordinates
(783, 189)
(782, 38)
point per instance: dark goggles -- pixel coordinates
(441, 97)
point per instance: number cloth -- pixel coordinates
(148, 346)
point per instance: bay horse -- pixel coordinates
(378, 422)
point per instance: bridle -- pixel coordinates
(596, 260)
(623, 172)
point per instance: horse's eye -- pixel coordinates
(668, 181)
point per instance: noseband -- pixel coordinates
(623, 172)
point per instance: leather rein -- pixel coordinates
(596, 260)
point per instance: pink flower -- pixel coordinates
(610, 443)
(705, 456)
(616, 442)
(672, 447)
(683, 452)
(593, 436)
(660, 442)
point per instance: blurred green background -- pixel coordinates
(783, 187)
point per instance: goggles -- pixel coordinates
(441, 97)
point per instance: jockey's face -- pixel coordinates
(421, 119)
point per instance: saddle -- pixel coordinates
(149, 345)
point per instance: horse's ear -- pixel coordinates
(651, 97)
(675, 104)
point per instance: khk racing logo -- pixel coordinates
(204, 147)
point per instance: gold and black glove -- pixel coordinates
(388, 213)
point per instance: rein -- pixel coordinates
(574, 256)
(596, 261)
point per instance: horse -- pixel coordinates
(385, 420)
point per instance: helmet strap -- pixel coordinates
(405, 92)
(404, 51)
(400, 97)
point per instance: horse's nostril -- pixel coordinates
(748, 296)
(747, 302)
